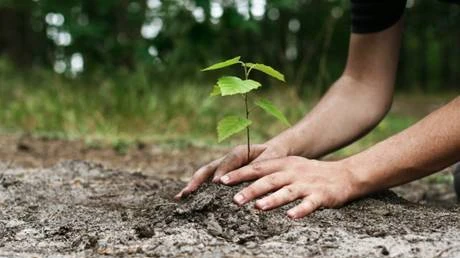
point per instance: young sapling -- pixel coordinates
(232, 85)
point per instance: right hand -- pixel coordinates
(237, 158)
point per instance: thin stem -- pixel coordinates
(247, 128)
(246, 74)
(248, 135)
(249, 71)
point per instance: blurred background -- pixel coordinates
(126, 71)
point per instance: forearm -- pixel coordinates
(349, 110)
(428, 146)
(355, 103)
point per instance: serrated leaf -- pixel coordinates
(215, 91)
(271, 109)
(231, 125)
(267, 70)
(231, 85)
(223, 64)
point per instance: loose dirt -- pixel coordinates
(79, 209)
(169, 161)
(166, 161)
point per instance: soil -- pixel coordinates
(169, 161)
(50, 207)
(78, 208)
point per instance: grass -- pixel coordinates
(126, 109)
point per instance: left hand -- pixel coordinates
(318, 183)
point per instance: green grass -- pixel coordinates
(124, 109)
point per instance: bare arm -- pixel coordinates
(427, 147)
(356, 102)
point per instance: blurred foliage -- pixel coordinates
(51, 105)
(168, 40)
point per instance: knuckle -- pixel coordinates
(257, 167)
(233, 175)
(249, 191)
(271, 180)
(314, 203)
(290, 190)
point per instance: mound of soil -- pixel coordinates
(82, 209)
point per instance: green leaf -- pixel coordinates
(215, 91)
(231, 85)
(231, 125)
(223, 64)
(271, 109)
(267, 70)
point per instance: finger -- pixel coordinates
(306, 207)
(283, 196)
(199, 177)
(236, 158)
(254, 171)
(262, 186)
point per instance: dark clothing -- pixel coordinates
(369, 16)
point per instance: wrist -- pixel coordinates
(360, 177)
(283, 143)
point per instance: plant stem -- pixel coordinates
(248, 136)
(247, 128)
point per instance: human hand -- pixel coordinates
(317, 183)
(237, 158)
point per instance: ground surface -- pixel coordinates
(170, 162)
(76, 208)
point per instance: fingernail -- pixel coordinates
(180, 194)
(216, 179)
(239, 199)
(184, 192)
(225, 179)
(291, 214)
(262, 205)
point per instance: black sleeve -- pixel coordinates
(451, 1)
(369, 16)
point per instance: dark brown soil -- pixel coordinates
(82, 209)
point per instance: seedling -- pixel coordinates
(232, 85)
